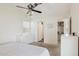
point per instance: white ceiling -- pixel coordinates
(53, 9)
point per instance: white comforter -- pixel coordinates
(22, 49)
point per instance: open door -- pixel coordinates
(40, 29)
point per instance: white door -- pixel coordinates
(40, 31)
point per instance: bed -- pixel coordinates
(22, 49)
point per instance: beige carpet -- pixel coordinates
(53, 49)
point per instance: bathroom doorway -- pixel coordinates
(60, 30)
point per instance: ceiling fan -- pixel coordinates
(30, 7)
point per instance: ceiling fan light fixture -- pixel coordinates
(30, 7)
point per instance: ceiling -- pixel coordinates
(52, 9)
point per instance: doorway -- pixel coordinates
(40, 32)
(60, 30)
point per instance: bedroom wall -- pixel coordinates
(10, 23)
(75, 17)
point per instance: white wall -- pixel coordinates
(10, 22)
(75, 17)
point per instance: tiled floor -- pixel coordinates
(53, 49)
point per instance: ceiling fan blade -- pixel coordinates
(33, 5)
(36, 11)
(21, 7)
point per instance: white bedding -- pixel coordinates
(22, 49)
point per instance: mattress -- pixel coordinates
(22, 49)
